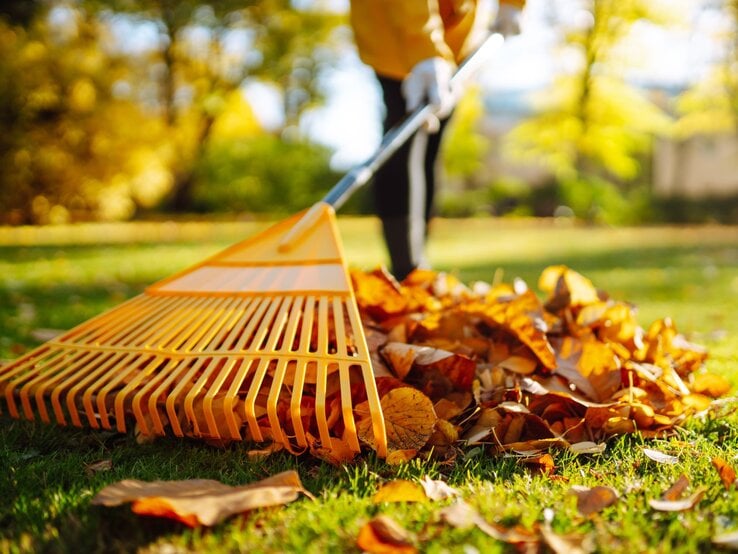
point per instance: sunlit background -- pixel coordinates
(610, 111)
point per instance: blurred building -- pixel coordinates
(702, 166)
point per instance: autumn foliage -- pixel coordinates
(498, 366)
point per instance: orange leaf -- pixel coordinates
(727, 473)
(522, 316)
(383, 535)
(378, 294)
(710, 385)
(201, 501)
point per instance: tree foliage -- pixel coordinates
(593, 123)
(108, 106)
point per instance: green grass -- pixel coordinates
(56, 278)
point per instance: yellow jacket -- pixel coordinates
(393, 35)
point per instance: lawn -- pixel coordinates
(56, 278)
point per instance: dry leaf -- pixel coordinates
(574, 543)
(461, 515)
(438, 490)
(201, 501)
(337, 453)
(726, 540)
(710, 385)
(726, 472)
(397, 457)
(383, 535)
(680, 505)
(596, 499)
(543, 464)
(400, 490)
(677, 489)
(97, 467)
(587, 447)
(660, 457)
(409, 419)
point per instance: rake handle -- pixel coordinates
(361, 174)
(398, 135)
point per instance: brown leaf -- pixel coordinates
(383, 535)
(400, 490)
(99, 466)
(726, 472)
(677, 489)
(596, 499)
(200, 501)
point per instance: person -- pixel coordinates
(413, 47)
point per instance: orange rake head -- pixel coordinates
(258, 342)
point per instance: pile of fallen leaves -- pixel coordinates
(495, 365)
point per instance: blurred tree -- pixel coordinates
(109, 105)
(592, 126)
(57, 107)
(204, 52)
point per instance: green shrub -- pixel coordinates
(262, 175)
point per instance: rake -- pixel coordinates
(262, 341)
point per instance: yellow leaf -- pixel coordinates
(400, 490)
(409, 418)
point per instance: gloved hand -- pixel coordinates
(430, 80)
(507, 22)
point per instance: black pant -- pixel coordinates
(404, 188)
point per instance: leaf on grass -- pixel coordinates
(383, 535)
(99, 466)
(726, 540)
(659, 457)
(397, 457)
(680, 505)
(726, 472)
(677, 489)
(438, 490)
(400, 490)
(595, 499)
(263, 453)
(543, 464)
(574, 543)
(408, 417)
(337, 453)
(587, 447)
(461, 515)
(201, 501)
